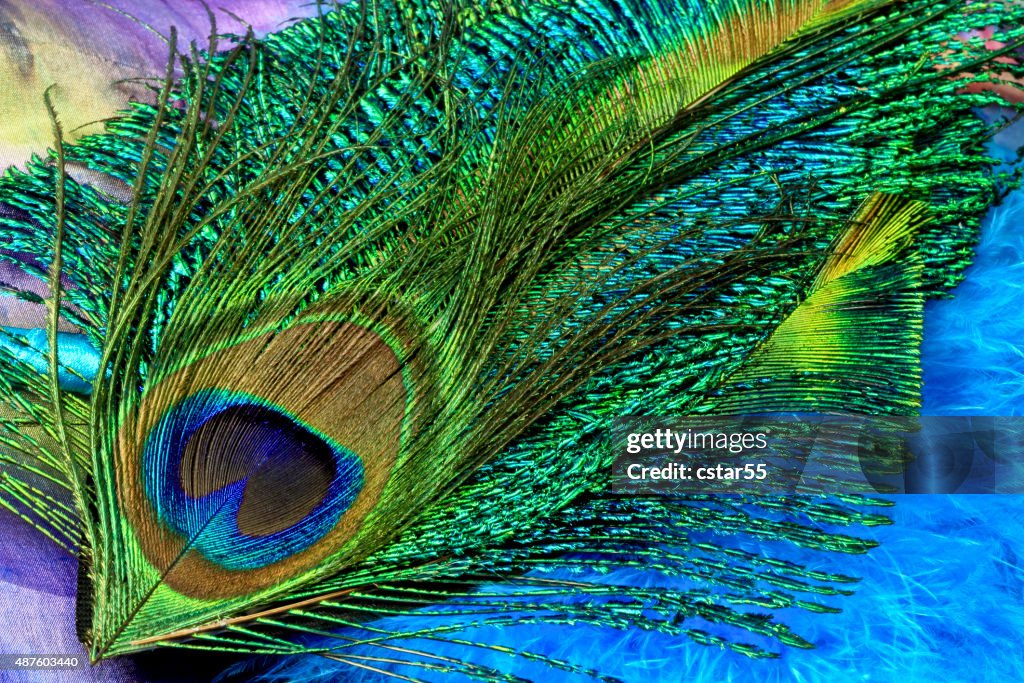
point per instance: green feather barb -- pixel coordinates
(382, 281)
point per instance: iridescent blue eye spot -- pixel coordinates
(245, 482)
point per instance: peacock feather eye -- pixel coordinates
(248, 481)
(241, 487)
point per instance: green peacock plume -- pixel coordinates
(367, 294)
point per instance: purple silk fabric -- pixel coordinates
(37, 601)
(96, 55)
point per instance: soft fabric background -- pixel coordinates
(98, 55)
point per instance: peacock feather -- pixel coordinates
(337, 326)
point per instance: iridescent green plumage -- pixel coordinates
(457, 245)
